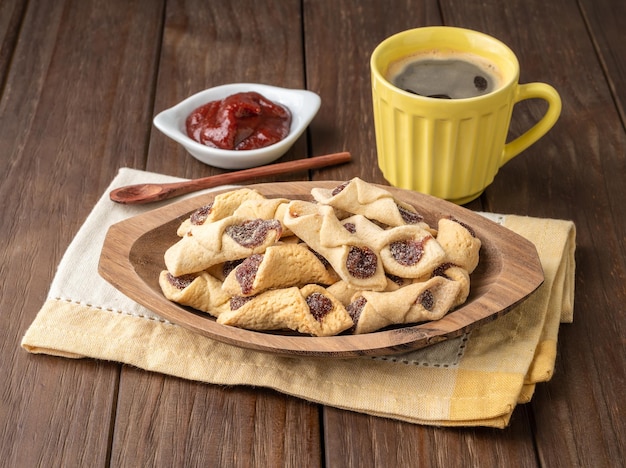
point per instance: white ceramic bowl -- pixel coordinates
(302, 104)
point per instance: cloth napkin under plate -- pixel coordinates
(473, 380)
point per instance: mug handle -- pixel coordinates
(534, 91)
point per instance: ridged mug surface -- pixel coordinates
(450, 148)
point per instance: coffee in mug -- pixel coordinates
(444, 76)
(450, 148)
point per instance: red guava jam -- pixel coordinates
(242, 121)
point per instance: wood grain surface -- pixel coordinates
(80, 83)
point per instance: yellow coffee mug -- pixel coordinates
(450, 148)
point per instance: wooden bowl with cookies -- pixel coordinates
(333, 268)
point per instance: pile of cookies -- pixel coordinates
(353, 260)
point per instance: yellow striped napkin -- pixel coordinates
(473, 380)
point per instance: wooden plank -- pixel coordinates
(351, 438)
(605, 19)
(352, 32)
(11, 16)
(66, 120)
(575, 172)
(207, 44)
(165, 421)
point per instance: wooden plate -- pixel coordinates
(508, 272)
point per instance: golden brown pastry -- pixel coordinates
(344, 292)
(359, 197)
(265, 208)
(458, 274)
(202, 292)
(355, 262)
(222, 206)
(228, 239)
(417, 302)
(310, 310)
(410, 252)
(407, 251)
(262, 263)
(281, 266)
(365, 230)
(459, 242)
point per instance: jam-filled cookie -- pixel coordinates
(407, 251)
(458, 274)
(354, 261)
(310, 310)
(359, 197)
(265, 208)
(201, 291)
(410, 252)
(344, 292)
(228, 239)
(417, 302)
(281, 266)
(222, 206)
(460, 243)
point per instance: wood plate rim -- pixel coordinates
(513, 263)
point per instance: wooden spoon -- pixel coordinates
(147, 193)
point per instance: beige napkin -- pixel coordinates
(474, 380)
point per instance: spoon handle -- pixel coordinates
(147, 193)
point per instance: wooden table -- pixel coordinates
(80, 82)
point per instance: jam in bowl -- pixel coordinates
(252, 116)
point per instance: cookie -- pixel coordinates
(354, 261)
(202, 292)
(359, 197)
(410, 252)
(265, 208)
(309, 310)
(281, 266)
(460, 243)
(222, 206)
(228, 239)
(344, 292)
(458, 274)
(417, 302)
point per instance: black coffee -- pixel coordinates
(444, 78)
